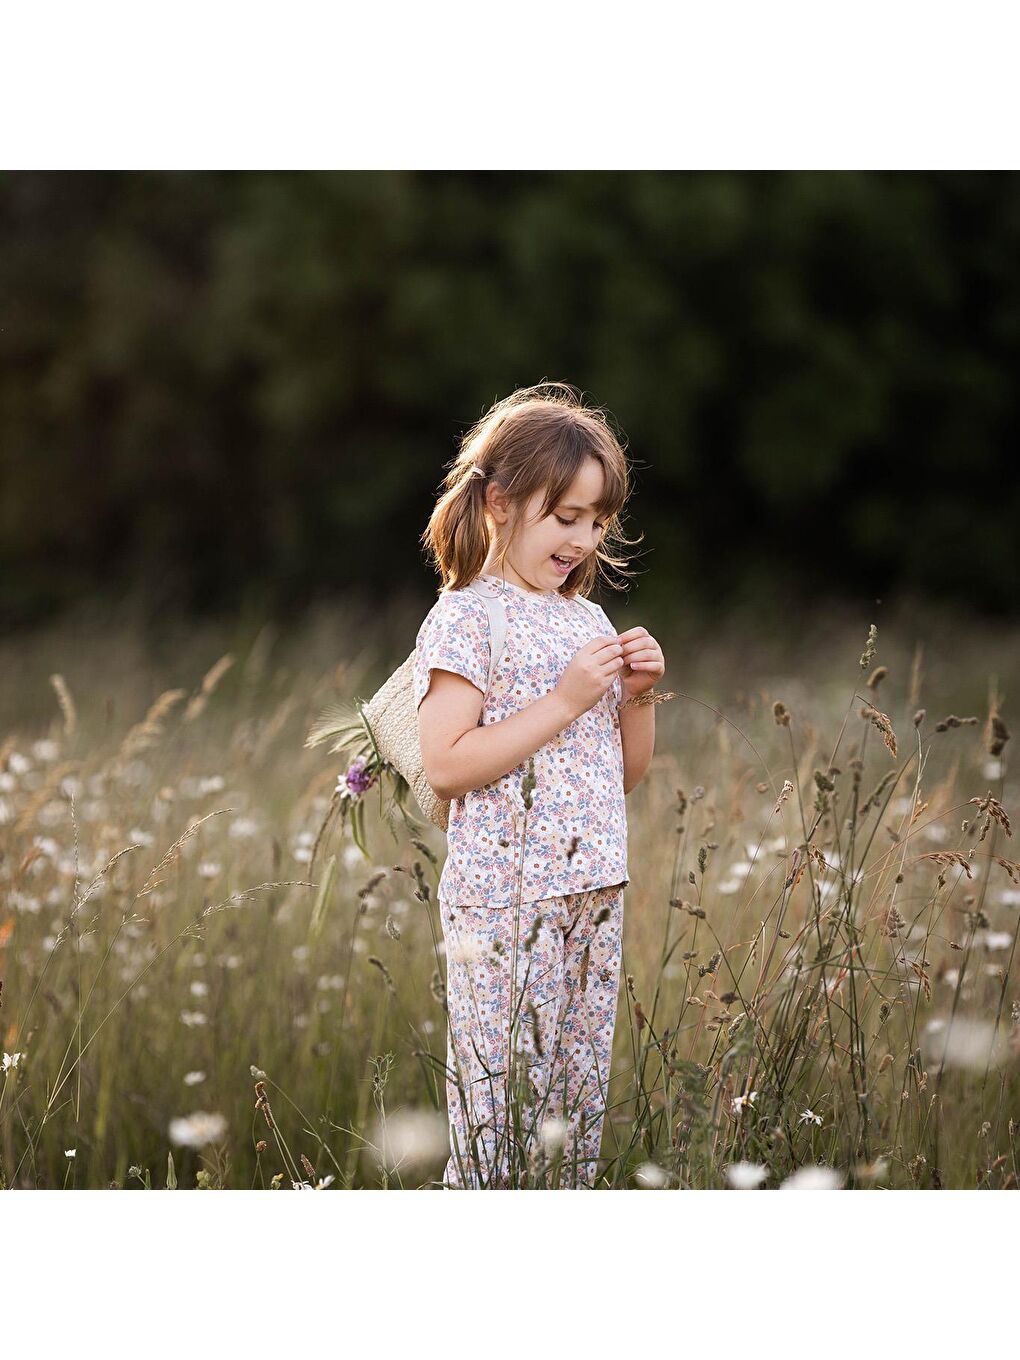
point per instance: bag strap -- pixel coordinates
(496, 611)
(591, 607)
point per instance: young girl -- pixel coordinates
(531, 894)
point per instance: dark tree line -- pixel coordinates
(224, 388)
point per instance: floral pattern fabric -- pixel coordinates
(576, 833)
(559, 1008)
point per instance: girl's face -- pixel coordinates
(572, 531)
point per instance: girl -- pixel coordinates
(531, 894)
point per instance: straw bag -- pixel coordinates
(392, 719)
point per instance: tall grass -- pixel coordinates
(207, 983)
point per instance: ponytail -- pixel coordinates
(458, 537)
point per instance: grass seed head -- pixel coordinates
(868, 655)
(884, 724)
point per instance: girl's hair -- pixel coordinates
(537, 439)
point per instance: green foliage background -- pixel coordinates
(220, 389)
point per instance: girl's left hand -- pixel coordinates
(644, 662)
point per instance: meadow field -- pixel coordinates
(207, 983)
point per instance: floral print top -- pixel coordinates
(577, 824)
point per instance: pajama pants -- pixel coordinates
(535, 1119)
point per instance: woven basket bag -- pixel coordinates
(392, 718)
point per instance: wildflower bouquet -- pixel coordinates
(372, 762)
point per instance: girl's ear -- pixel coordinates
(497, 502)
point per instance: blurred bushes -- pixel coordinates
(232, 388)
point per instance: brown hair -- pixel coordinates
(536, 439)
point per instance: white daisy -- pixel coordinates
(410, 1140)
(198, 1129)
(321, 1184)
(650, 1176)
(814, 1178)
(746, 1175)
(244, 828)
(998, 939)
(554, 1133)
(966, 1043)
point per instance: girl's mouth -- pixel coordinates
(562, 567)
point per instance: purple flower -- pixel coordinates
(357, 780)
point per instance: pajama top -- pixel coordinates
(578, 795)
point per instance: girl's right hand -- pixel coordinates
(589, 674)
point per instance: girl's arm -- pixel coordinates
(637, 733)
(454, 764)
(459, 755)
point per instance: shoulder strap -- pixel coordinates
(496, 611)
(593, 610)
(497, 625)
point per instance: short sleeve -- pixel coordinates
(453, 637)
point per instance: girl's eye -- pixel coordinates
(569, 522)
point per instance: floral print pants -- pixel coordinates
(536, 1120)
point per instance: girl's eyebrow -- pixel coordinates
(576, 507)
